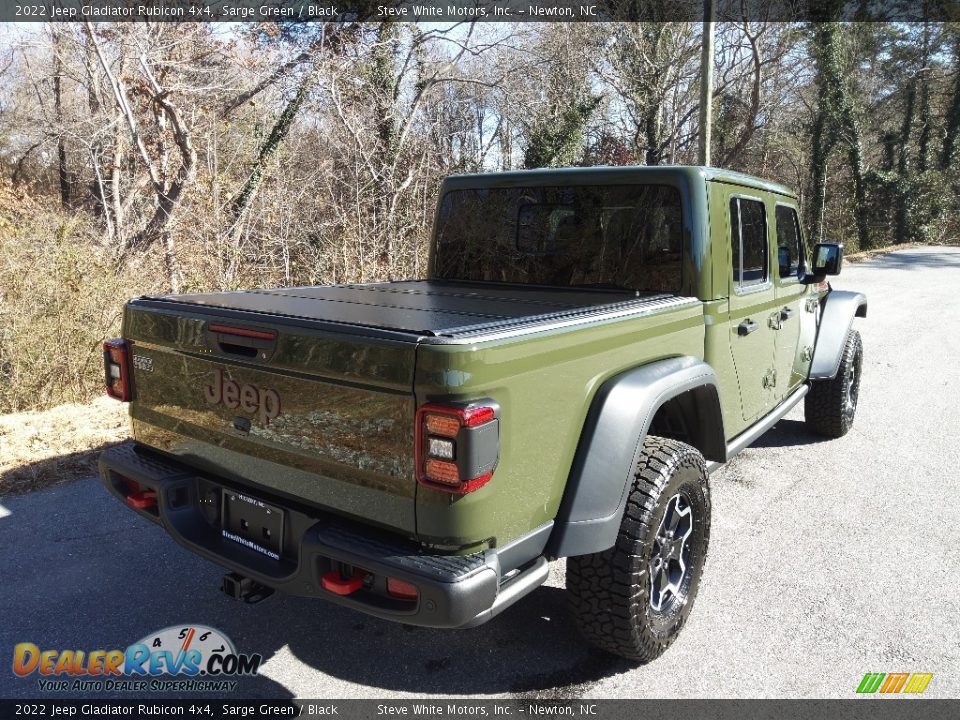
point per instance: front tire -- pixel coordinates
(633, 599)
(831, 405)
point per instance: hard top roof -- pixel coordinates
(612, 174)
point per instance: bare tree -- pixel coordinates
(169, 123)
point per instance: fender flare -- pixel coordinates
(838, 310)
(611, 442)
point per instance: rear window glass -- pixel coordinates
(748, 229)
(628, 236)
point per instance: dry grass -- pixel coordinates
(61, 295)
(43, 448)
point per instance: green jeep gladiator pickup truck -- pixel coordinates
(589, 344)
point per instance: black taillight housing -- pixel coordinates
(457, 446)
(116, 367)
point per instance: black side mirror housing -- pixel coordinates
(827, 260)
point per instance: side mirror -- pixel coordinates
(827, 260)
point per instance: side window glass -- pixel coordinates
(748, 229)
(735, 237)
(789, 245)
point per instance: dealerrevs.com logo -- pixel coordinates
(177, 658)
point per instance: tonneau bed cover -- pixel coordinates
(428, 308)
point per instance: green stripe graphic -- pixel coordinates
(870, 682)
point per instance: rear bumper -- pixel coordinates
(455, 591)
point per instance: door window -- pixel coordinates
(790, 250)
(748, 228)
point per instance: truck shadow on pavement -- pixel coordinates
(529, 651)
(95, 576)
(788, 433)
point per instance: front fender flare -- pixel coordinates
(836, 319)
(611, 441)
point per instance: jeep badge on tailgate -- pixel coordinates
(248, 398)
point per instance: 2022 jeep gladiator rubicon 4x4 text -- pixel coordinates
(589, 344)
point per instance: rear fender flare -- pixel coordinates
(612, 439)
(836, 318)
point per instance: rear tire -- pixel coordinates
(633, 599)
(831, 405)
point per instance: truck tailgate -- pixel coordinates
(320, 416)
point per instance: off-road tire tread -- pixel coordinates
(607, 595)
(824, 404)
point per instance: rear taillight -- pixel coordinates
(116, 364)
(457, 447)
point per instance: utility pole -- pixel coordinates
(706, 82)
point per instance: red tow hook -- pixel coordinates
(342, 586)
(141, 499)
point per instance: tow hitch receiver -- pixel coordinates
(243, 588)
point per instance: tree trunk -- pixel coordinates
(836, 119)
(855, 156)
(822, 135)
(171, 261)
(947, 154)
(63, 170)
(280, 129)
(116, 201)
(750, 124)
(383, 81)
(903, 166)
(822, 146)
(168, 198)
(99, 184)
(923, 78)
(651, 125)
(167, 194)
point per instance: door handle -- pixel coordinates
(746, 327)
(786, 313)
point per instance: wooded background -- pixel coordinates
(140, 157)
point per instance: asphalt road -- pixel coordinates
(827, 560)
